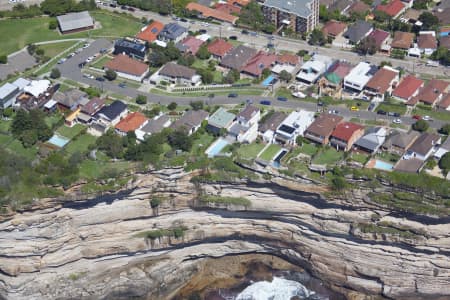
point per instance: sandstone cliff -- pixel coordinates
(100, 249)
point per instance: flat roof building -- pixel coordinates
(314, 68)
(294, 125)
(75, 22)
(359, 76)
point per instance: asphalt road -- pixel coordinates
(70, 70)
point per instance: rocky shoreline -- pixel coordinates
(118, 246)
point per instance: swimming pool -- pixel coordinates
(58, 140)
(216, 147)
(277, 161)
(382, 165)
(269, 80)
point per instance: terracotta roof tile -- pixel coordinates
(208, 12)
(324, 124)
(219, 47)
(430, 93)
(259, 62)
(426, 41)
(358, 7)
(227, 8)
(402, 40)
(445, 102)
(379, 36)
(150, 32)
(192, 44)
(291, 59)
(407, 87)
(334, 28)
(131, 122)
(381, 80)
(392, 9)
(345, 130)
(445, 41)
(124, 64)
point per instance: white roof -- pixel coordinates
(312, 69)
(359, 74)
(50, 104)
(414, 51)
(7, 89)
(74, 21)
(300, 120)
(203, 37)
(161, 43)
(278, 68)
(440, 152)
(37, 87)
(21, 83)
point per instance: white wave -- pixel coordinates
(278, 289)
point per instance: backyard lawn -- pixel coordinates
(308, 149)
(91, 169)
(52, 119)
(359, 157)
(328, 157)
(199, 63)
(250, 151)
(70, 132)
(270, 152)
(202, 142)
(80, 144)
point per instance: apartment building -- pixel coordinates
(298, 15)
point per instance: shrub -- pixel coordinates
(110, 75)
(421, 126)
(141, 99)
(55, 73)
(3, 59)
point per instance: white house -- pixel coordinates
(245, 129)
(176, 74)
(358, 77)
(314, 68)
(294, 125)
(423, 146)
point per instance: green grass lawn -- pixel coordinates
(359, 157)
(250, 151)
(99, 63)
(33, 30)
(52, 119)
(389, 157)
(199, 63)
(92, 169)
(217, 77)
(15, 146)
(52, 50)
(70, 132)
(439, 115)
(362, 105)
(243, 91)
(4, 125)
(270, 152)
(308, 149)
(201, 143)
(328, 157)
(81, 144)
(392, 107)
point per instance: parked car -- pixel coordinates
(203, 31)
(232, 95)
(100, 79)
(249, 101)
(426, 118)
(333, 111)
(183, 20)
(381, 112)
(103, 51)
(70, 55)
(396, 114)
(86, 45)
(390, 114)
(354, 108)
(284, 99)
(371, 106)
(253, 33)
(320, 103)
(397, 121)
(131, 9)
(265, 102)
(123, 7)
(62, 60)
(233, 37)
(416, 117)
(244, 31)
(122, 85)
(113, 5)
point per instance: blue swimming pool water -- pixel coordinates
(58, 141)
(268, 80)
(215, 148)
(277, 161)
(381, 165)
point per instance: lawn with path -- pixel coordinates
(327, 157)
(70, 132)
(250, 151)
(270, 152)
(80, 144)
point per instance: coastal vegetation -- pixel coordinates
(209, 199)
(176, 232)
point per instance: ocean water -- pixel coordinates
(278, 289)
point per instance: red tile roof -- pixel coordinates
(219, 47)
(334, 28)
(239, 2)
(150, 32)
(402, 40)
(391, 9)
(291, 59)
(124, 64)
(382, 80)
(259, 62)
(345, 130)
(407, 87)
(379, 36)
(430, 93)
(192, 43)
(228, 8)
(445, 102)
(208, 12)
(131, 122)
(426, 41)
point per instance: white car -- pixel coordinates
(397, 121)
(86, 45)
(426, 118)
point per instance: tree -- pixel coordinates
(444, 129)
(429, 21)
(141, 99)
(285, 76)
(53, 24)
(55, 73)
(186, 60)
(385, 63)
(196, 105)
(266, 73)
(442, 54)
(203, 52)
(421, 4)
(232, 76)
(3, 59)
(172, 106)
(317, 38)
(338, 183)
(324, 14)
(179, 139)
(111, 143)
(207, 76)
(8, 112)
(421, 126)
(302, 53)
(110, 75)
(367, 46)
(444, 162)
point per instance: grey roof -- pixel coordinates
(401, 139)
(237, 129)
(412, 165)
(74, 21)
(238, 57)
(339, 5)
(171, 31)
(113, 110)
(297, 7)
(177, 71)
(424, 143)
(69, 97)
(190, 119)
(357, 31)
(248, 112)
(21, 83)
(373, 138)
(272, 122)
(446, 145)
(155, 125)
(7, 90)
